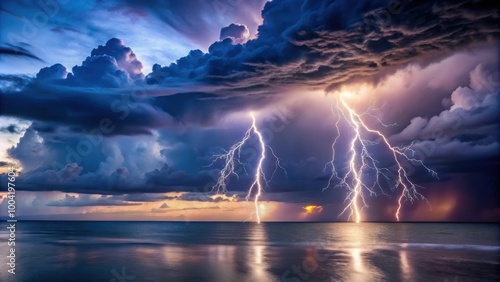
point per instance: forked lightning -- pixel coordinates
(361, 160)
(232, 159)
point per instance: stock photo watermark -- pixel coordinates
(121, 276)
(12, 221)
(303, 270)
(47, 10)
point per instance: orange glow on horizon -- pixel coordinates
(313, 209)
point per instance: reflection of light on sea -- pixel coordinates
(357, 261)
(173, 256)
(259, 264)
(405, 265)
(222, 261)
(258, 254)
(68, 256)
(360, 269)
(225, 253)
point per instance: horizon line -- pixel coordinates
(228, 221)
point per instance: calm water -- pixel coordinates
(238, 252)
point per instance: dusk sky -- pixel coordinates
(114, 110)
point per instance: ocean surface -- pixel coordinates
(237, 252)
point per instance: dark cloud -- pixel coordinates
(55, 72)
(124, 56)
(18, 51)
(326, 43)
(52, 161)
(13, 83)
(117, 108)
(85, 109)
(316, 46)
(89, 201)
(113, 65)
(46, 177)
(178, 180)
(29, 151)
(5, 164)
(101, 70)
(182, 217)
(202, 197)
(142, 197)
(468, 129)
(75, 102)
(12, 128)
(201, 208)
(239, 33)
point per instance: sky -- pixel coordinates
(117, 110)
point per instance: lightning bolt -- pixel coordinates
(232, 158)
(361, 161)
(259, 173)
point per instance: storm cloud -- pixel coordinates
(317, 46)
(326, 43)
(89, 201)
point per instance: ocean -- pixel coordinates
(87, 251)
